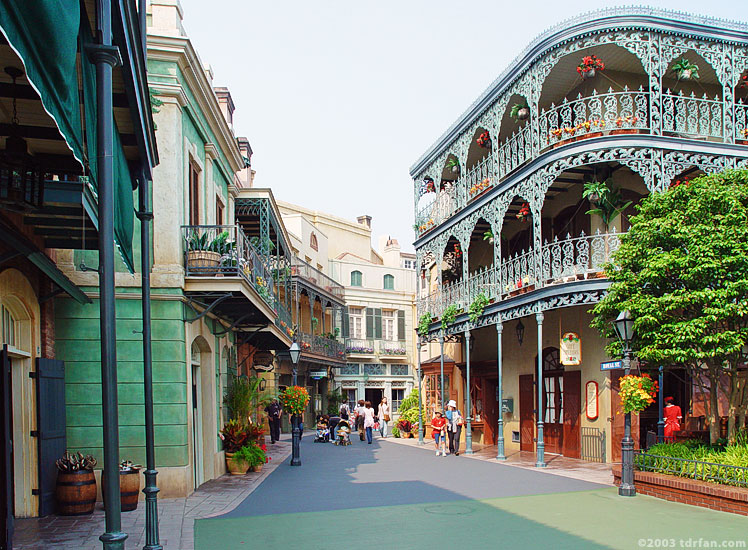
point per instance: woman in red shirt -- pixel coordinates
(438, 425)
(672, 419)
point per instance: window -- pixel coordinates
(350, 396)
(409, 264)
(219, 211)
(389, 331)
(375, 369)
(357, 278)
(399, 370)
(194, 196)
(356, 316)
(389, 282)
(313, 242)
(9, 327)
(350, 369)
(397, 397)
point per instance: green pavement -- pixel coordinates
(570, 520)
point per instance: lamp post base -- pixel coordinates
(626, 491)
(296, 440)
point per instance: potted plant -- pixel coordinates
(606, 200)
(488, 236)
(476, 308)
(685, 70)
(234, 436)
(449, 315)
(484, 140)
(404, 426)
(294, 399)
(201, 251)
(424, 322)
(454, 165)
(520, 111)
(76, 484)
(743, 141)
(256, 456)
(129, 485)
(430, 185)
(625, 125)
(239, 463)
(524, 212)
(589, 65)
(637, 392)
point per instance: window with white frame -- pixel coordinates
(397, 397)
(389, 325)
(350, 397)
(9, 327)
(356, 316)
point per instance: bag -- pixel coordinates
(376, 425)
(460, 421)
(386, 417)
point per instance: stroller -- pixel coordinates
(323, 433)
(343, 433)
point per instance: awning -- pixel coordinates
(24, 246)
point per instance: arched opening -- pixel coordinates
(575, 104)
(388, 282)
(692, 98)
(450, 171)
(514, 135)
(480, 148)
(452, 262)
(481, 251)
(203, 415)
(516, 231)
(357, 278)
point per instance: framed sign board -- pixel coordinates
(571, 349)
(590, 391)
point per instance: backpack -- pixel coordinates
(344, 411)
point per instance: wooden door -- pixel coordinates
(490, 412)
(553, 406)
(571, 445)
(617, 420)
(51, 427)
(6, 453)
(526, 413)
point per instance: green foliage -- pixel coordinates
(334, 399)
(732, 455)
(395, 431)
(220, 244)
(605, 199)
(424, 322)
(682, 272)
(234, 436)
(488, 235)
(453, 163)
(476, 308)
(269, 244)
(242, 395)
(516, 108)
(684, 69)
(410, 401)
(249, 454)
(449, 315)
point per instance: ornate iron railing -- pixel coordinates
(741, 121)
(399, 370)
(516, 150)
(319, 345)
(359, 346)
(695, 469)
(388, 347)
(692, 115)
(315, 277)
(556, 262)
(479, 178)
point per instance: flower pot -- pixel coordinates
(523, 113)
(741, 141)
(75, 493)
(685, 74)
(590, 73)
(257, 468)
(236, 468)
(455, 169)
(129, 488)
(203, 260)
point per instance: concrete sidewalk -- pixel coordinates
(176, 515)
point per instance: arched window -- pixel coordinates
(356, 278)
(389, 282)
(313, 242)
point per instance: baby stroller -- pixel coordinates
(343, 433)
(323, 433)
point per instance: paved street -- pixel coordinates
(404, 495)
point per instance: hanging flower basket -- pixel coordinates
(637, 392)
(294, 399)
(484, 140)
(589, 65)
(524, 212)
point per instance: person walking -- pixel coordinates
(359, 411)
(673, 416)
(334, 421)
(368, 420)
(274, 411)
(383, 413)
(438, 425)
(345, 411)
(454, 427)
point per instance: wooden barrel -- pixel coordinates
(76, 493)
(129, 488)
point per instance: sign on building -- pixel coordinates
(571, 349)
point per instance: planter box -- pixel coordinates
(741, 141)
(588, 135)
(714, 496)
(622, 131)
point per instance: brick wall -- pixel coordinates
(689, 491)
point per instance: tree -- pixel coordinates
(682, 272)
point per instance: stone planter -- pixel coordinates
(257, 468)
(586, 75)
(234, 468)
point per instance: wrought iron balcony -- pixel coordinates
(320, 345)
(225, 251)
(392, 348)
(357, 346)
(315, 277)
(557, 262)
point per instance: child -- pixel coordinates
(438, 425)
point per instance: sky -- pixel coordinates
(339, 98)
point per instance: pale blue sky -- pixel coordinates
(338, 98)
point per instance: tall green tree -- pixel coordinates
(682, 271)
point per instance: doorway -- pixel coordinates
(373, 395)
(197, 420)
(7, 497)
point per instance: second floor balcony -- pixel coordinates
(321, 346)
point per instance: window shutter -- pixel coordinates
(378, 323)
(400, 324)
(346, 323)
(369, 323)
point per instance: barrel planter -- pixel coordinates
(129, 489)
(76, 493)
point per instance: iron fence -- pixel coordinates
(724, 474)
(593, 445)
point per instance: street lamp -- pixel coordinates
(294, 352)
(520, 330)
(624, 327)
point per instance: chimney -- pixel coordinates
(166, 17)
(365, 220)
(226, 103)
(246, 174)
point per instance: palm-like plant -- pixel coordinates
(243, 395)
(606, 200)
(685, 70)
(520, 111)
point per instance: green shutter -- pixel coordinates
(400, 324)
(346, 323)
(369, 323)
(378, 323)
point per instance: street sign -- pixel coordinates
(317, 374)
(611, 365)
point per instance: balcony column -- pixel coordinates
(500, 391)
(468, 429)
(311, 314)
(324, 312)
(441, 364)
(539, 377)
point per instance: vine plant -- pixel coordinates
(476, 308)
(424, 323)
(449, 315)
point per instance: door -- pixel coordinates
(553, 401)
(51, 425)
(526, 413)
(6, 454)
(374, 396)
(197, 428)
(617, 420)
(490, 412)
(571, 444)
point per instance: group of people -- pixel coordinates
(446, 430)
(363, 417)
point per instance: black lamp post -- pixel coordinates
(624, 327)
(294, 352)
